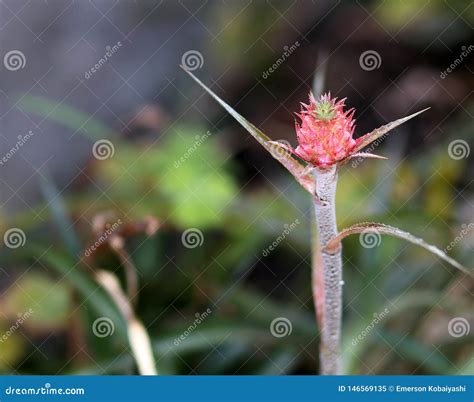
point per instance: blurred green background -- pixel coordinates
(179, 158)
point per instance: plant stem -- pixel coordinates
(325, 211)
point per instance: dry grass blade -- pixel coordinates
(137, 335)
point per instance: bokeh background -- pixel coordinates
(102, 134)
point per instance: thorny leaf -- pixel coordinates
(358, 155)
(379, 132)
(380, 228)
(297, 169)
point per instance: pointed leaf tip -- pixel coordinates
(279, 152)
(382, 130)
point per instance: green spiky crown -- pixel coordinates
(325, 110)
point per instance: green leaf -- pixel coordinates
(280, 153)
(380, 228)
(93, 295)
(55, 203)
(63, 114)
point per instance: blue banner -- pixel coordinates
(237, 388)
